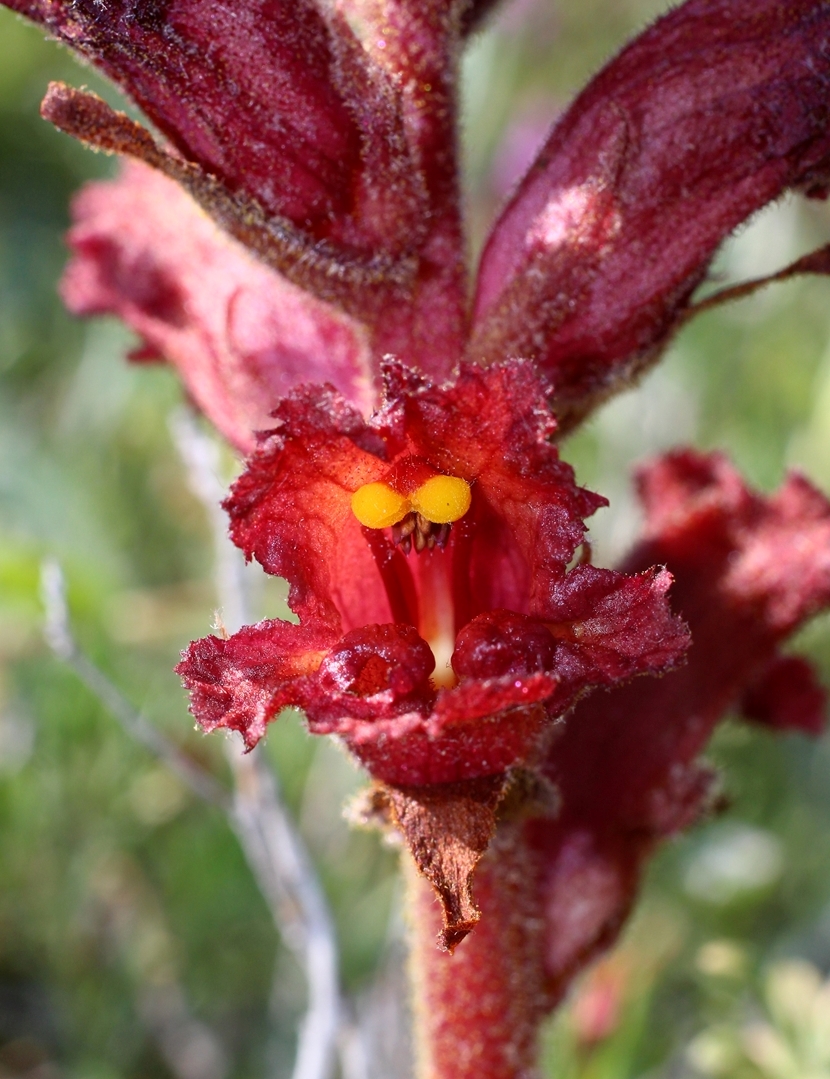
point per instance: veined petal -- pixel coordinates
(239, 335)
(489, 428)
(702, 120)
(493, 427)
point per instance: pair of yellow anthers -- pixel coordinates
(441, 500)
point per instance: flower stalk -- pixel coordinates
(477, 1012)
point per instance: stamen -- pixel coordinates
(377, 505)
(416, 531)
(402, 533)
(422, 516)
(442, 499)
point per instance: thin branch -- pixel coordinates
(352, 1050)
(817, 262)
(286, 877)
(59, 638)
(269, 840)
(273, 845)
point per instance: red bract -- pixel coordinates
(344, 182)
(333, 163)
(272, 97)
(703, 119)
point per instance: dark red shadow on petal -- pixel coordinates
(748, 571)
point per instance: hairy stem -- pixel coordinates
(419, 44)
(477, 1011)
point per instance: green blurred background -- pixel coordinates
(117, 886)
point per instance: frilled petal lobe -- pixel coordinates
(241, 682)
(372, 688)
(600, 627)
(291, 510)
(487, 427)
(278, 103)
(239, 335)
(748, 570)
(390, 617)
(703, 119)
(614, 625)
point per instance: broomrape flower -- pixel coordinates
(292, 241)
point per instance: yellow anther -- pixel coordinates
(377, 505)
(442, 499)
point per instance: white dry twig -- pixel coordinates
(59, 637)
(273, 846)
(281, 864)
(269, 839)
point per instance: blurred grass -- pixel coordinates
(113, 879)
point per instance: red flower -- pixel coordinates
(444, 665)
(327, 165)
(748, 571)
(448, 663)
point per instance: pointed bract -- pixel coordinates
(267, 96)
(712, 113)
